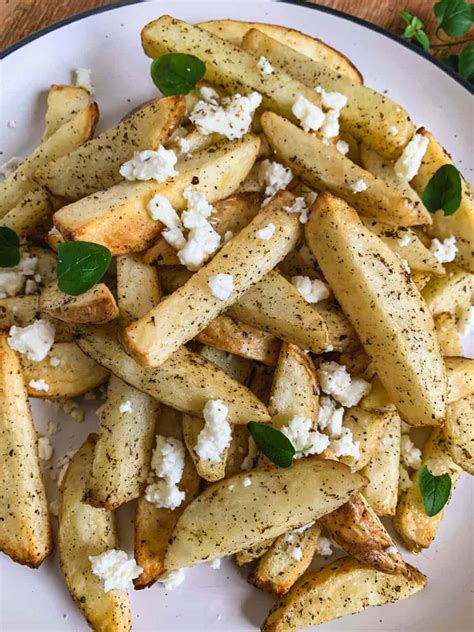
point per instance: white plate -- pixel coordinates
(108, 42)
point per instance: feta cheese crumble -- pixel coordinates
(216, 564)
(308, 114)
(173, 579)
(330, 127)
(126, 407)
(167, 464)
(296, 552)
(202, 242)
(404, 480)
(162, 211)
(304, 528)
(444, 251)
(115, 569)
(404, 240)
(184, 146)
(342, 147)
(410, 455)
(304, 440)
(45, 449)
(216, 435)
(324, 547)
(230, 116)
(275, 176)
(359, 186)
(408, 164)
(84, 80)
(15, 279)
(299, 206)
(221, 286)
(312, 290)
(247, 482)
(39, 385)
(344, 388)
(266, 232)
(164, 495)
(264, 66)
(150, 165)
(35, 340)
(330, 417)
(332, 100)
(346, 446)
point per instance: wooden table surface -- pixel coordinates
(22, 17)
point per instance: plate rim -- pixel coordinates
(301, 3)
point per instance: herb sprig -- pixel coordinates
(177, 73)
(9, 248)
(444, 190)
(81, 264)
(435, 490)
(274, 444)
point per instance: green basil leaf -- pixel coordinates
(435, 490)
(407, 17)
(9, 248)
(177, 73)
(422, 38)
(81, 264)
(443, 191)
(273, 443)
(454, 16)
(466, 63)
(450, 60)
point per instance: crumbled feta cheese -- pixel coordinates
(336, 381)
(342, 147)
(358, 187)
(404, 480)
(465, 320)
(406, 265)
(330, 127)
(296, 552)
(10, 166)
(310, 116)
(221, 286)
(54, 362)
(345, 446)
(312, 290)
(35, 340)
(164, 494)
(150, 165)
(216, 564)
(173, 579)
(175, 238)
(54, 232)
(266, 232)
(391, 550)
(228, 236)
(299, 206)
(198, 208)
(216, 435)
(126, 407)
(275, 176)
(231, 488)
(323, 547)
(247, 482)
(248, 463)
(45, 449)
(13, 280)
(304, 440)
(184, 146)
(30, 287)
(393, 130)
(208, 94)
(39, 385)
(115, 569)
(330, 417)
(231, 117)
(410, 455)
(305, 527)
(161, 210)
(331, 100)
(168, 459)
(83, 79)
(404, 240)
(444, 251)
(408, 164)
(264, 66)
(202, 242)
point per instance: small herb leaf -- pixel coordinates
(407, 17)
(81, 264)
(422, 38)
(273, 443)
(9, 248)
(466, 63)
(443, 191)
(435, 490)
(177, 73)
(454, 16)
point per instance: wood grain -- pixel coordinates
(22, 17)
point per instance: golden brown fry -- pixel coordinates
(95, 306)
(32, 215)
(63, 103)
(460, 374)
(448, 335)
(450, 292)
(138, 288)
(368, 428)
(246, 556)
(459, 432)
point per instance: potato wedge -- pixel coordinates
(96, 306)
(186, 381)
(459, 432)
(239, 449)
(450, 292)
(228, 66)
(72, 373)
(25, 528)
(356, 528)
(67, 138)
(461, 223)
(32, 215)
(343, 587)
(246, 258)
(342, 335)
(323, 167)
(382, 471)
(277, 500)
(234, 31)
(375, 288)
(416, 529)
(63, 103)
(368, 428)
(448, 335)
(85, 531)
(286, 560)
(153, 525)
(18, 310)
(95, 165)
(138, 288)
(118, 217)
(368, 115)
(247, 556)
(460, 374)
(231, 214)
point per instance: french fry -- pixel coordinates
(448, 335)
(118, 217)
(25, 529)
(323, 167)
(374, 288)
(459, 432)
(86, 531)
(63, 103)
(368, 115)
(138, 288)
(95, 165)
(32, 215)
(246, 556)
(95, 306)
(18, 310)
(450, 292)
(246, 258)
(460, 375)
(368, 428)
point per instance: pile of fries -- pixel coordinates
(166, 344)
